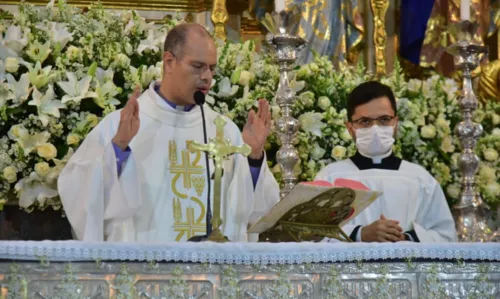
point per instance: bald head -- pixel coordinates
(177, 37)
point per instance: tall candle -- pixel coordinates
(279, 5)
(465, 10)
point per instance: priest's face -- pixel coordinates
(376, 112)
(192, 69)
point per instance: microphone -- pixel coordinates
(199, 99)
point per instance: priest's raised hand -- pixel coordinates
(129, 121)
(257, 129)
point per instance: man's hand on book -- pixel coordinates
(382, 230)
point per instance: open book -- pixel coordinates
(316, 204)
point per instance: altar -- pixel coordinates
(71, 269)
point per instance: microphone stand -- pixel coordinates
(199, 99)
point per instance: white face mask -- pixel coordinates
(375, 141)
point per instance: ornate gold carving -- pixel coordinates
(379, 9)
(219, 18)
(189, 18)
(314, 220)
(250, 26)
(489, 81)
(162, 5)
(219, 148)
(191, 174)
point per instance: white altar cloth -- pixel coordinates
(244, 253)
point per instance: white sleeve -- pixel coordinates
(434, 222)
(91, 192)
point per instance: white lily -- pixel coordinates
(226, 89)
(59, 34)
(104, 76)
(311, 122)
(75, 89)
(33, 188)
(297, 86)
(38, 52)
(5, 52)
(105, 94)
(141, 24)
(39, 77)
(14, 39)
(28, 142)
(144, 76)
(46, 105)
(150, 43)
(20, 90)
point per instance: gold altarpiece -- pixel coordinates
(380, 19)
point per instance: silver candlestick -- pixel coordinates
(286, 48)
(470, 211)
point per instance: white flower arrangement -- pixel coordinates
(63, 69)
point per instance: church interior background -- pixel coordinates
(348, 41)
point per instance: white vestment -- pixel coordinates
(410, 195)
(160, 195)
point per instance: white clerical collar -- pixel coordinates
(377, 159)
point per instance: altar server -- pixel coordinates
(133, 179)
(413, 206)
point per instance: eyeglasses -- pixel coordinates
(197, 67)
(365, 122)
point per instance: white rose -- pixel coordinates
(122, 61)
(92, 119)
(495, 119)
(442, 125)
(42, 168)
(73, 139)
(317, 152)
(73, 53)
(245, 78)
(490, 154)
(338, 152)
(414, 85)
(11, 64)
(10, 174)
(304, 71)
(47, 151)
(453, 190)
(324, 102)
(428, 132)
(493, 189)
(495, 132)
(447, 144)
(345, 135)
(487, 174)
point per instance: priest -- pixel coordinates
(133, 179)
(412, 206)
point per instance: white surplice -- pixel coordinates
(410, 195)
(160, 195)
